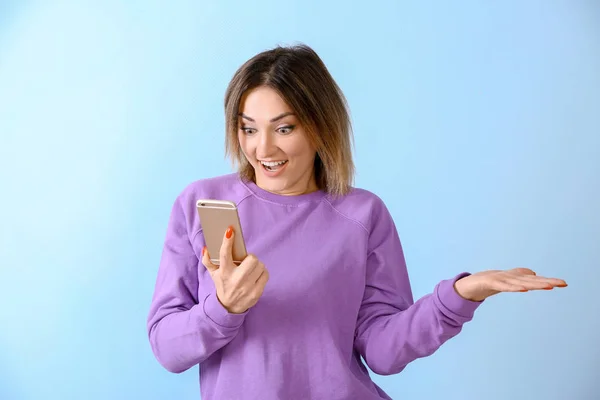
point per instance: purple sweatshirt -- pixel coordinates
(338, 290)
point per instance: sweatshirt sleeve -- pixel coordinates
(392, 329)
(184, 329)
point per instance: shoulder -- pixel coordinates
(362, 206)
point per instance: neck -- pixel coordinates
(305, 185)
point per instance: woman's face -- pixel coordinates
(275, 144)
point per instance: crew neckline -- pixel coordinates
(280, 198)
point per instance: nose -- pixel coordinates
(265, 145)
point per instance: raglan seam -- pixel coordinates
(360, 224)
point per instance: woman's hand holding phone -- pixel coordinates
(238, 286)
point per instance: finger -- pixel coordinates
(531, 284)
(263, 278)
(206, 261)
(258, 290)
(523, 284)
(226, 252)
(507, 284)
(256, 272)
(551, 282)
(249, 265)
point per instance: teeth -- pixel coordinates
(272, 163)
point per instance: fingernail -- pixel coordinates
(548, 288)
(229, 233)
(524, 290)
(203, 251)
(562, 285)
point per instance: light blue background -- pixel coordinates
(477, 122)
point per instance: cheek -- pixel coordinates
(301, 151)
(244, 145)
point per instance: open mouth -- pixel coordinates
(272, 166)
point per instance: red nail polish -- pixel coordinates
(524, 290)
(203, 251)
(229, 233)
(548, 288)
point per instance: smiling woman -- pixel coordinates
(288, 98)
(325, 284)
(278, 149)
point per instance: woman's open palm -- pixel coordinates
(479, 286)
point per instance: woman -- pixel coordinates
(326, 283)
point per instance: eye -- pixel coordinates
(247, 131)
(286, 130)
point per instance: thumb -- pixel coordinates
(524, 271)
(206, 261)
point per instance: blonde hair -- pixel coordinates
(301, 78)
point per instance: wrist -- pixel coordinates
(464, 289)
(217, 313)
(230, 309)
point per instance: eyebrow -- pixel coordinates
(277, 118)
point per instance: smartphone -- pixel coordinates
(215, 217)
